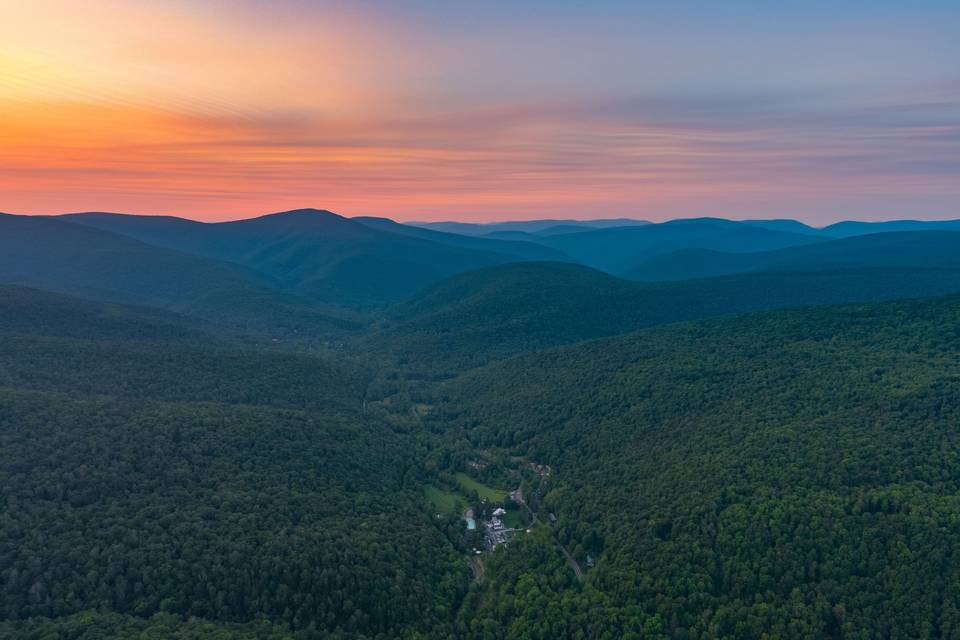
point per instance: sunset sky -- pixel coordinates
(223, 109)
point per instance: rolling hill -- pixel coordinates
(57, 255)
(788, 473)
(617, 250)
(930, 249)
(849, 228)
(317, 254)
(531, 227)
(44, 313)
(516, 250)
(785, 224)
(500, 311)
(195, 487)
(720, 463)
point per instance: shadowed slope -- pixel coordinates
(496, 312)
(517, 250)
(54, 254)
(143, 478)
(929, 249)
(313, 253)
(618, 249)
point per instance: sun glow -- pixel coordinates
(216, 110)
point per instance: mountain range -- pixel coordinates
(283, 428)
(311, 273)
(320, 255)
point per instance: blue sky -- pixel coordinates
(476, 111)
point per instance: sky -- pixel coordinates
(482, 111)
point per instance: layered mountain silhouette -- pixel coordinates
(618, 249)
(528, 227)
(896, 248)
(323, 256)
(496, 312)
(519, 250)
(274, 427)
(60, 256)
(308, 271)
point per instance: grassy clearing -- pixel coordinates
(468, 484)
(444, 501)
(512, 519)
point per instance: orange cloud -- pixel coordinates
(201, 110)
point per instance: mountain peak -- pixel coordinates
(306, 212)
(307, 219)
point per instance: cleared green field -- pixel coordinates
(468, 484)
(444, 501)
(512, 519)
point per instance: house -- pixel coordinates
(499, 512)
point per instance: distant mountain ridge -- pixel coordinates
(854, 227)
(519, 249)
(304, 260)
(843, 228)
(524, 226)
(500, 311)
(617, 250)
(894, 248)
(60, 256)
(323, 256)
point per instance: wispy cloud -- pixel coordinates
(221, 118)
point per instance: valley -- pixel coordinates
(449, 320)
(195, 442)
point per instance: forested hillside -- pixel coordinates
(452, 320)
(788, 474)
(60, 256)
(618, 249)
(519, 250)
(179, 477)
(193, 444)
(323, 256)
(49, 314)
(497, 312)
(928, 249)
(528, 227)
(849, 228)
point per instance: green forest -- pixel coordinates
(528, 450)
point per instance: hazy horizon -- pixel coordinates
(507, 219)
(447, 320)
(216, 110)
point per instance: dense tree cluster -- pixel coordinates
(200, 481)
(489, 314)
(94, 625)
(791, 474)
